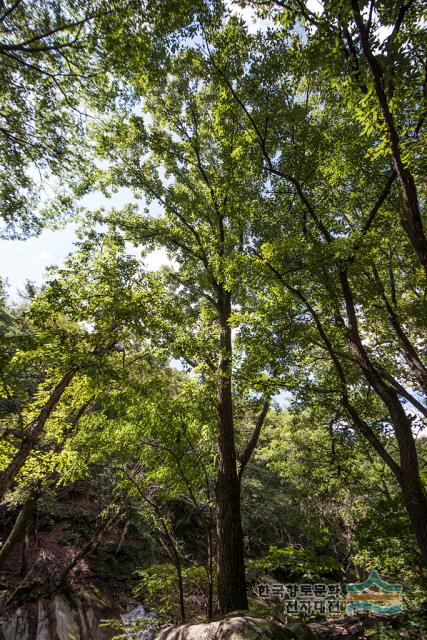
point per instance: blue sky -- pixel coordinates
(22, 260)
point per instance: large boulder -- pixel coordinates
(239, 627)
(17, 626)
(61, 618)
(301, 631)
(67, 627)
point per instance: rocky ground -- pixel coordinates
(98, 588)
(60, 619)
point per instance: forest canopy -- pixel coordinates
(255, 405)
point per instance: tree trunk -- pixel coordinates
(411, 221)
(35, 429)
(177, 562)
(412, 358)
(209, 568)
(231, 568)
(407, 472)
(415, 501)
(18, 529)
(409, 478)
(413, 492)
(34, 433)
(26, 550)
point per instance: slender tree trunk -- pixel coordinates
(34, 433)
(411, 221)
(180, 585)
(122, 537)
(409, 478)
(407, 472)
(231, 568)
(35, 429)
(26, 549)
(177, 562)
(412, 358)
(209, 568)
(18, 530)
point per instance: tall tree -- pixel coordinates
(334, 235)
(188, 161)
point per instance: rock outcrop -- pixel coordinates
(238, 627)
(59, 619)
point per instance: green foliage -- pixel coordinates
(411, 624)
(50, 78)
(294, 562)
(158, 585)
(385, 541)
(152, 624)
(259, 161)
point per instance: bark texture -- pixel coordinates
(231, 568)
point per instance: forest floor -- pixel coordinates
(108, 573)
(369, 625)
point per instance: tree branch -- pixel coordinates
(250, 447)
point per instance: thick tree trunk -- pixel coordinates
(415, 501)
(231, 568)
(413, 492)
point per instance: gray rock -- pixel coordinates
(61, 619)
(17, 626)
(231, 628)
(43, 622)
(67, 627)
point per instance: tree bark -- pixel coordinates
(231, 568)
(34, 433)
(409, 478)
(413, 492)
(26, 549)
(411, 221)
(209, 570)
(18, 529)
